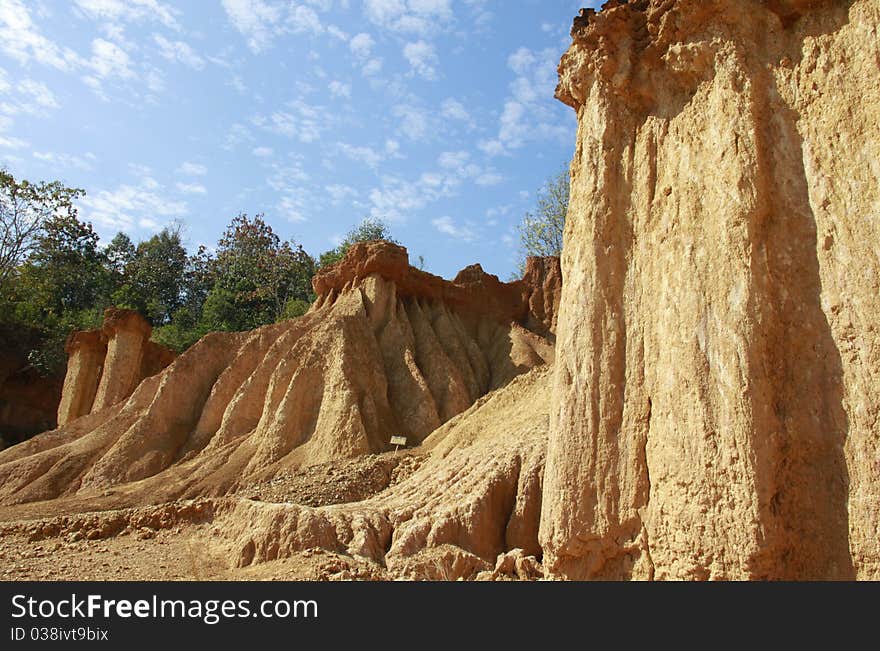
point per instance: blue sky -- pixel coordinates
(435, 115)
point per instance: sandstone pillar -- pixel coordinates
(715, 409)
(85, 353)
(127, 334)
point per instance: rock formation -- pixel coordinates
(386, 350)
(104, 366)
(716, 408)
(86, 351)
(713, 410)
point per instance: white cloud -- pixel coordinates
(372, 67)
(361, 45)
(13, 143)
(366, 155)
(255, 19)
(130, 10)
(192, 169)
(338, 89)
(21, 40)
(260, 22)
(65, 161)
(238, 133)
(335, 32)
(529, 114)
(489, 178)
(491, 147)
(392, 147)
(155, 80)
(287, 178)
(304, 19)
(422, 58)
(521, 61)
(179, 51)
(128, 205)
(452, 109)
(339, 193)
(413, 121)
(303, 121)
(191, 188)
(410, 16)
(454, 160)
(291, 207)
(110, 60)
(262, 152)
(39, 93)
(27, 97)
(448, 226)
(397, 198)
(512, 128)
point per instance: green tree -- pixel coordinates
(188, 324)
(368, 230)
(65, 271)
(120, 253)
(541, 232)
(153, 278)
(25, 208)
(257, 276)
(63, 285)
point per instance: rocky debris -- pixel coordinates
(513, 565)
(104, 366)
(101, 525)
(335, 482)
(716, 401)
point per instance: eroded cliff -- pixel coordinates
(386, 350)
(716, 408)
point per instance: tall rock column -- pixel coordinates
(717, 383)
(85, 361)
(127, 335)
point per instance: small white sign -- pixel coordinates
(398, 440)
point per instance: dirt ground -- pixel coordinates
(37, 545)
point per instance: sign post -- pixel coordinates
(397, 441)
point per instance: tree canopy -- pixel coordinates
(57, 277)
(25, 208)
(368, 230)
(541, 231)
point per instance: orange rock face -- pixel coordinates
(104, 366)
(717, 380)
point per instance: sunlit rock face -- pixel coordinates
(716, 405)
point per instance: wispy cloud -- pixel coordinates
(192, 169)
(448, 226)
(256, 20)
(130, 11)
(179, 51)
(409, 16)
(129, 206)
(528, 113)
(61, 162)
(191, 188)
